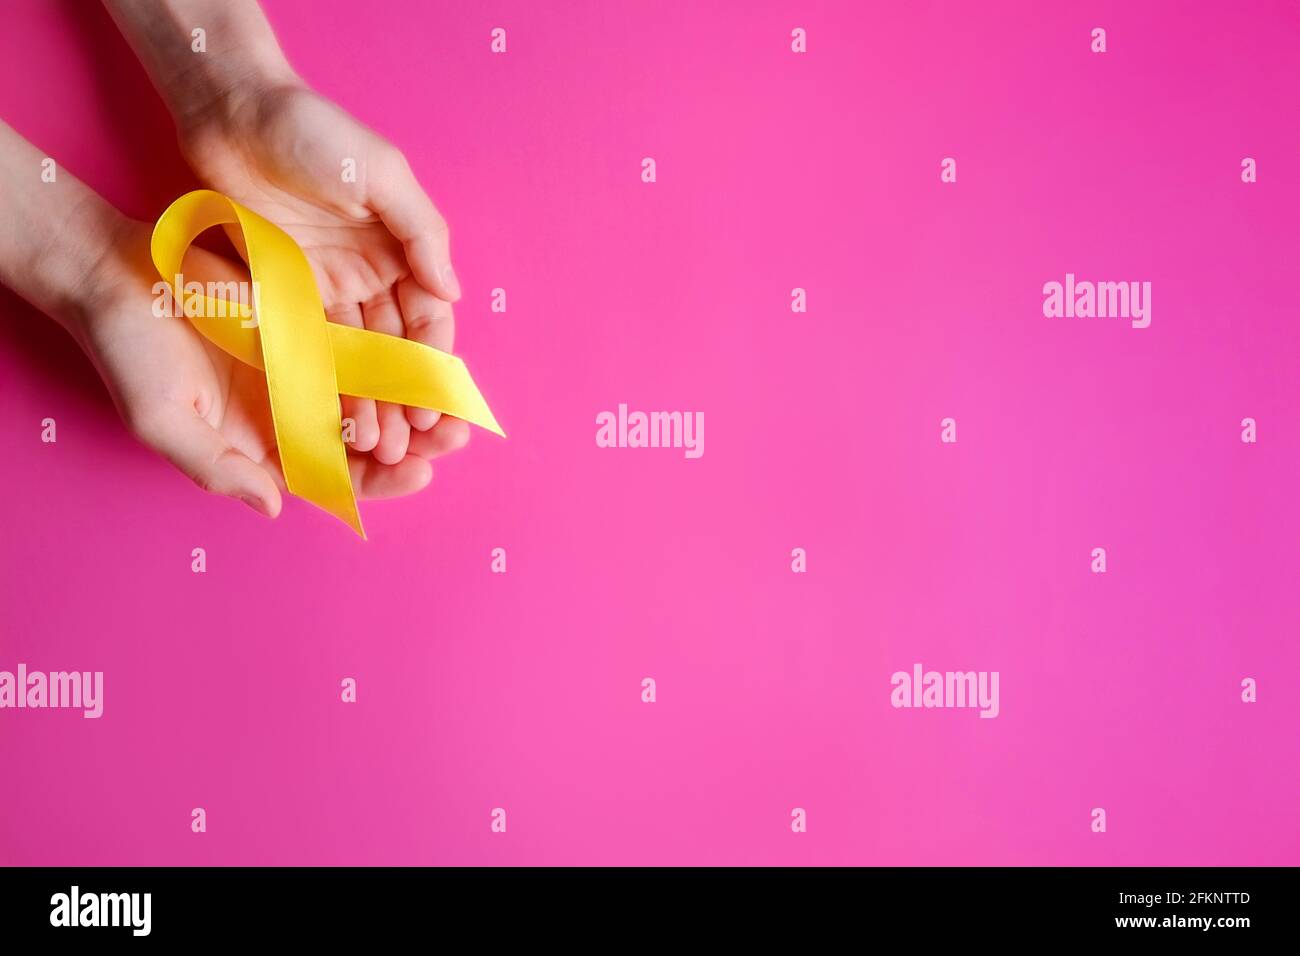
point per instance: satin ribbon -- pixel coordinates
(308, 361)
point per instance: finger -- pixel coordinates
(373, 479)
(450, 434)
(362, 411)
(382, 315)
(396, 197)
(199, 450)
(429, 321)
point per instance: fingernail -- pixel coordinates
(257, 504)
(450, 281)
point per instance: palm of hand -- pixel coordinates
(301, 162)
(177, 393)
(205, 412)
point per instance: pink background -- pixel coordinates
(522, 691)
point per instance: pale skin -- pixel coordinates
(252, 130)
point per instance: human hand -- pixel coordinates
(180, 395)
(253, 130)
(376, 244)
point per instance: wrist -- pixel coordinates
(205, 57)
(55, 231)
(77, 271)
(222, 95)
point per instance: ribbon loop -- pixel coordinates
(308, 360)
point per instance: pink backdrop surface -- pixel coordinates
(775, 170)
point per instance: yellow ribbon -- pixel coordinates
(308, 361)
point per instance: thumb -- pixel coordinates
(398, 199)
(200, 451)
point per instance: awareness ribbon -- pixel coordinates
(308, 360)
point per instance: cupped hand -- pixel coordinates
(205, 412)
(377, 246)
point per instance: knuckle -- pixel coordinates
(206, 480)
